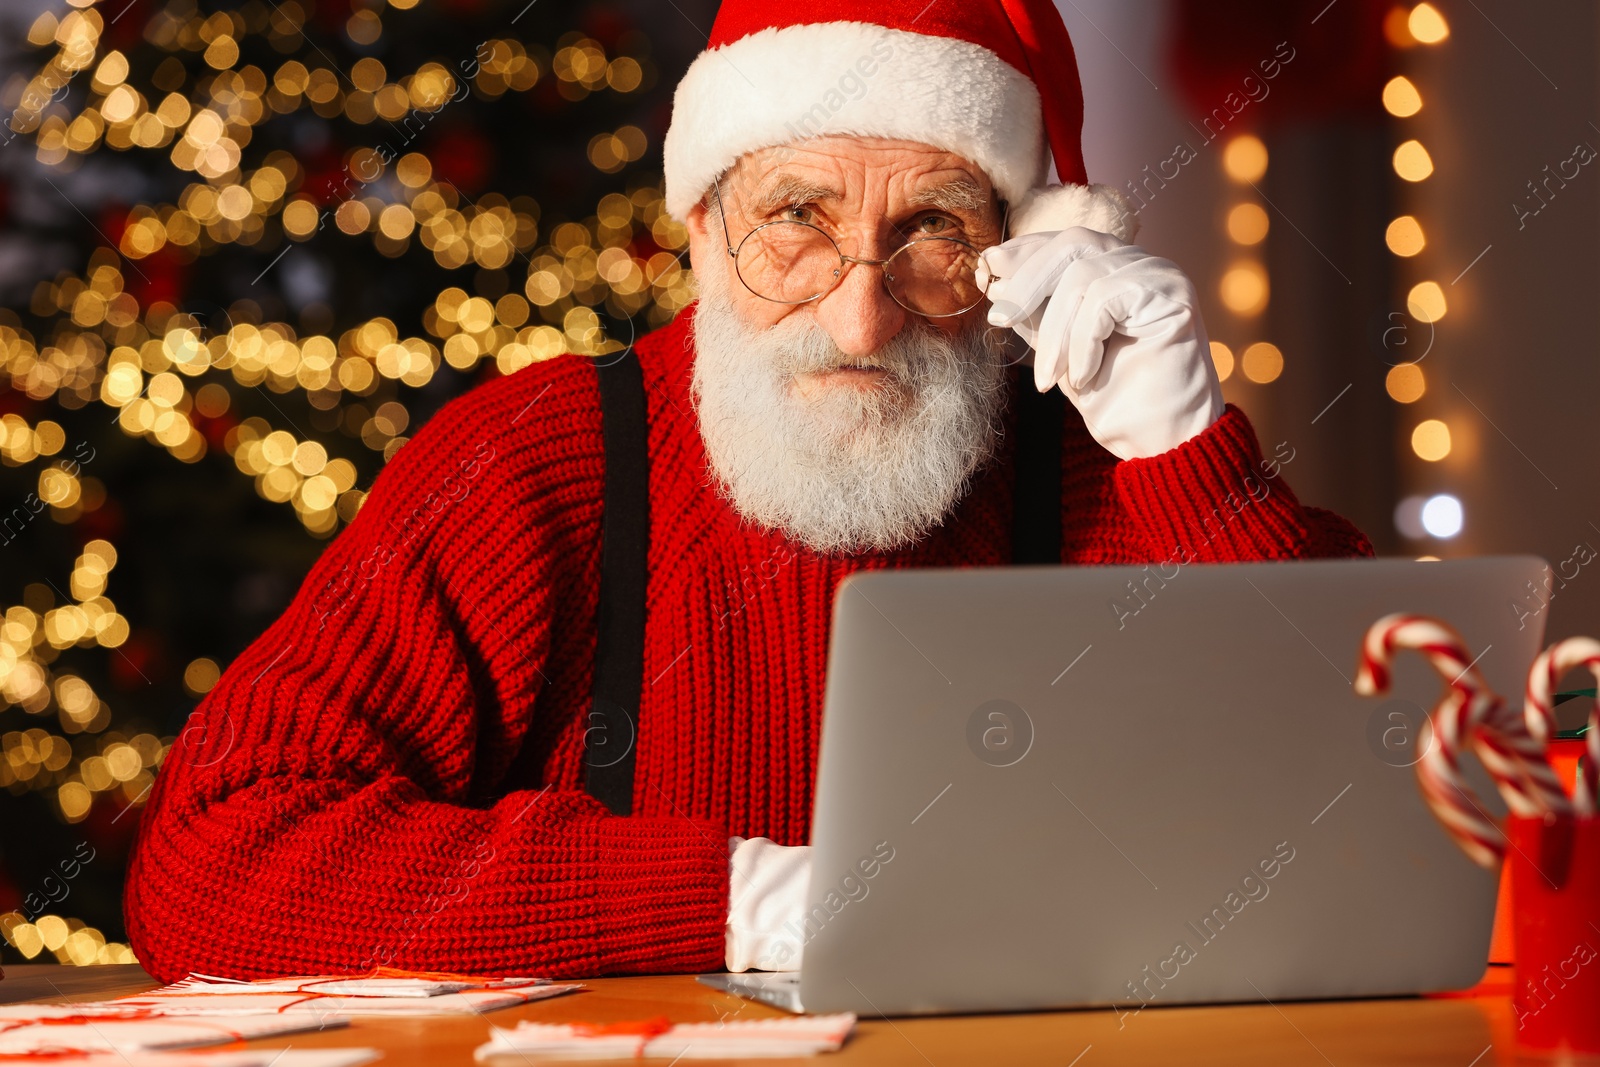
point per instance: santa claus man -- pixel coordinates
(550, 704)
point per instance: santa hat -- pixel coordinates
(994, 81)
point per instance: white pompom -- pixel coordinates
(1059, 207)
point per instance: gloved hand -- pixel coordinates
(1116, 328)
(766, 904)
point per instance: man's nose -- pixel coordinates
(860, 315)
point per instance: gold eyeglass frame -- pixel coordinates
(845, 261)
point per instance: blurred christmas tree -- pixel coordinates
(247, 250)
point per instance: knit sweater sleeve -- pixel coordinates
(339, 800)
(1215, 498)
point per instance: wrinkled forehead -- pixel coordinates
(860, 173)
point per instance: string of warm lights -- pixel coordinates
(70, 941)
(176, 378)
(1245, 288)
(1435, 515)
(89, 760)
(584, 264)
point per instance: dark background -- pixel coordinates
(205, 557)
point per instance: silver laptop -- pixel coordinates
(1050, 787)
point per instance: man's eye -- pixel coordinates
(935, 224)
(799, 213)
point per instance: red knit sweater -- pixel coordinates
(392, 773)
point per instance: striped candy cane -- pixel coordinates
(1513, 755)
(1468, 713)
(1539, 708)
(1445, 790)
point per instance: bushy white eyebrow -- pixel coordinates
(958, 195)
(787, 189)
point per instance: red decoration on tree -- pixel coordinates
(463, 157)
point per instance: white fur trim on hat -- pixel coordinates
(853, 78)
(1060, 207)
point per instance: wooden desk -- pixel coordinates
(1467, 1030)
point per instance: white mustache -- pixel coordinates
(801, 346)
(844, 470)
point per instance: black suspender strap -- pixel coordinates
(1036, 520)
(619, 648)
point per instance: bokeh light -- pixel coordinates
(1426, 302)
(1245, 289)
(1412, 162)
(1222, 359)
(1401, 98)
(1404, 236)
(1405, 383)
(1442, 516)
(1248, 224)
(1430, 440)
(1427, 25)
(1244, 159)
(1262, 362)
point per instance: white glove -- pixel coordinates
(766, 904)
(1116, 328)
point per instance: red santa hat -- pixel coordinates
(994, 81)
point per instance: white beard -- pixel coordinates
(848, 469)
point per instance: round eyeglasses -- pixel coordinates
(790, 262)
